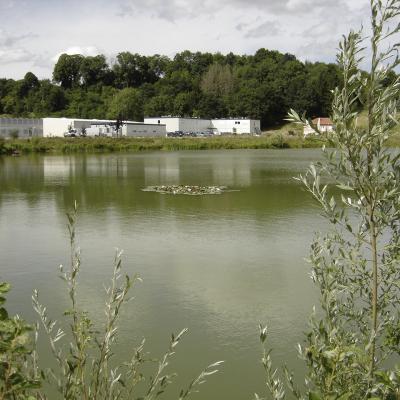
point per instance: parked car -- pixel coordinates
(71, 133)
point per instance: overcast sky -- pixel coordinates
(34, 32)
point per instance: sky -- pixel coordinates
(33, 33)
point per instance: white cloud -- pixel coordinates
(269, 28)
(16, 55)
(166, 27)
(169, 10)
(8, 39)
(11, 49)
(319, 51)
(85, 51)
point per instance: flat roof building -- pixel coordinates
(58, 127)
(236, 126)
(218, 126)
(21, 127)
(156, 126)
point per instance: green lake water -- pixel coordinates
(218, 265)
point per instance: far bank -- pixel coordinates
(101, 144)
(104, 145)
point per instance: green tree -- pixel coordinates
(321, 80)
(184, 103)
(91, 102)
(48, 99)
(218, 80)
(132, 70)
(67, 70)
(158, 105)
(18, 370)
(195, 63)
(158, 65)
(95, 70)
(29, 83)
(210, 106)
(127, 104)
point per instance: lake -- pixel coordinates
(218, 265)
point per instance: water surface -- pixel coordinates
(217, 265)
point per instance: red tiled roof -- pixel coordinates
(322, 121)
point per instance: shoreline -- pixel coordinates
(108, 145)
(133, 145)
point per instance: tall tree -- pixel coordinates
(30, 82)
(67, 70)
(94, 70)
(218, 80)
(132, 70)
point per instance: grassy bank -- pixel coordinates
(276, 140)
(93, 145)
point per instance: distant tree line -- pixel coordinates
(263, 86)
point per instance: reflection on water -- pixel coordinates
(218, 265)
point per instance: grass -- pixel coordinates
(286, 129)
(394, 139)
(100, 145)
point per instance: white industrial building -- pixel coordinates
(129, 129)
(58, 127)
(177, 124)
(158, 126)
(142, 129)
(21, 127)
(219, 126)
(240, 126)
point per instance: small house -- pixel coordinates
(320, 124)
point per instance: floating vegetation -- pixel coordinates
(186, 189)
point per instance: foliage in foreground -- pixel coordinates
(17, 357)
(354, 337)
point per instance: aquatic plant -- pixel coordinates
(191, 190)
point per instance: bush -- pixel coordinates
(14, 134)
(2, 145)
(18, 372)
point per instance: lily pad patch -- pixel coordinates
(192, 190)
